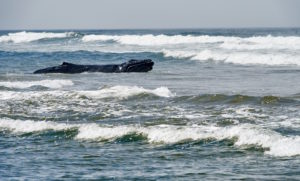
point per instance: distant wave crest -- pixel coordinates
(24, 37)
(243, 58)
(225, 42)
(153, 40)
(255, 50)
(233, 42)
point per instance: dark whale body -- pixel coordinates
(130, 66)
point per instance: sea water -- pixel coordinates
(218, 104)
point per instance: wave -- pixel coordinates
(54, 84)
(24, 37)
(126, 91)
(243, 58)
(154, 40)
(228, 42)
(264, 42)
(28, 126)
(244, 136)
(224, 42)
(119, 92)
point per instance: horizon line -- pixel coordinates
(191, 28)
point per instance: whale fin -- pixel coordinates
(67, 63)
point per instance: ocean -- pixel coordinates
(219, 104)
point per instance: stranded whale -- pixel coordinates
(130, 66)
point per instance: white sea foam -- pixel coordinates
(264, 42)
(95, 132)
(13, 95)
(108, 92)
(23, 37)
(154, 40)
(229, 42)
(46, 83)
(244, 58)
(28, 126)
(244, 135)
(257, 42)
(126, 91)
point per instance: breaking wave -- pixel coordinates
(243, 58)
(126, 91)
(227, 42)
(264, 42)
(255, 50)
(156, 39)
(54, 84)
(28, 126)
(24, 37)
(244, 136)
(257, 42)
(120, 92)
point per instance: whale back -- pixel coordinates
(67, 63)
(134, 65)
(130, 66)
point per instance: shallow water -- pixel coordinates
(218, 104)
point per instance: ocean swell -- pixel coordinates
(25, 37)
(243, 58)
(244, 136)
(227, 42)
(119, 92)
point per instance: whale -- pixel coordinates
(132, 65)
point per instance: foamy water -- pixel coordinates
(126, 91)
(254, 50)
(25, 37)
(257, 42)
(243, 58)
(109, 92)
(246, 135)
(218, 104)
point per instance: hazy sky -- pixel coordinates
(111, 14)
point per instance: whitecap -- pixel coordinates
(24, 37)
(244, 135)
(29, 126)
(243, 58)
(120, 92)
(126, 91)
(154, 40)
(227, 42)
